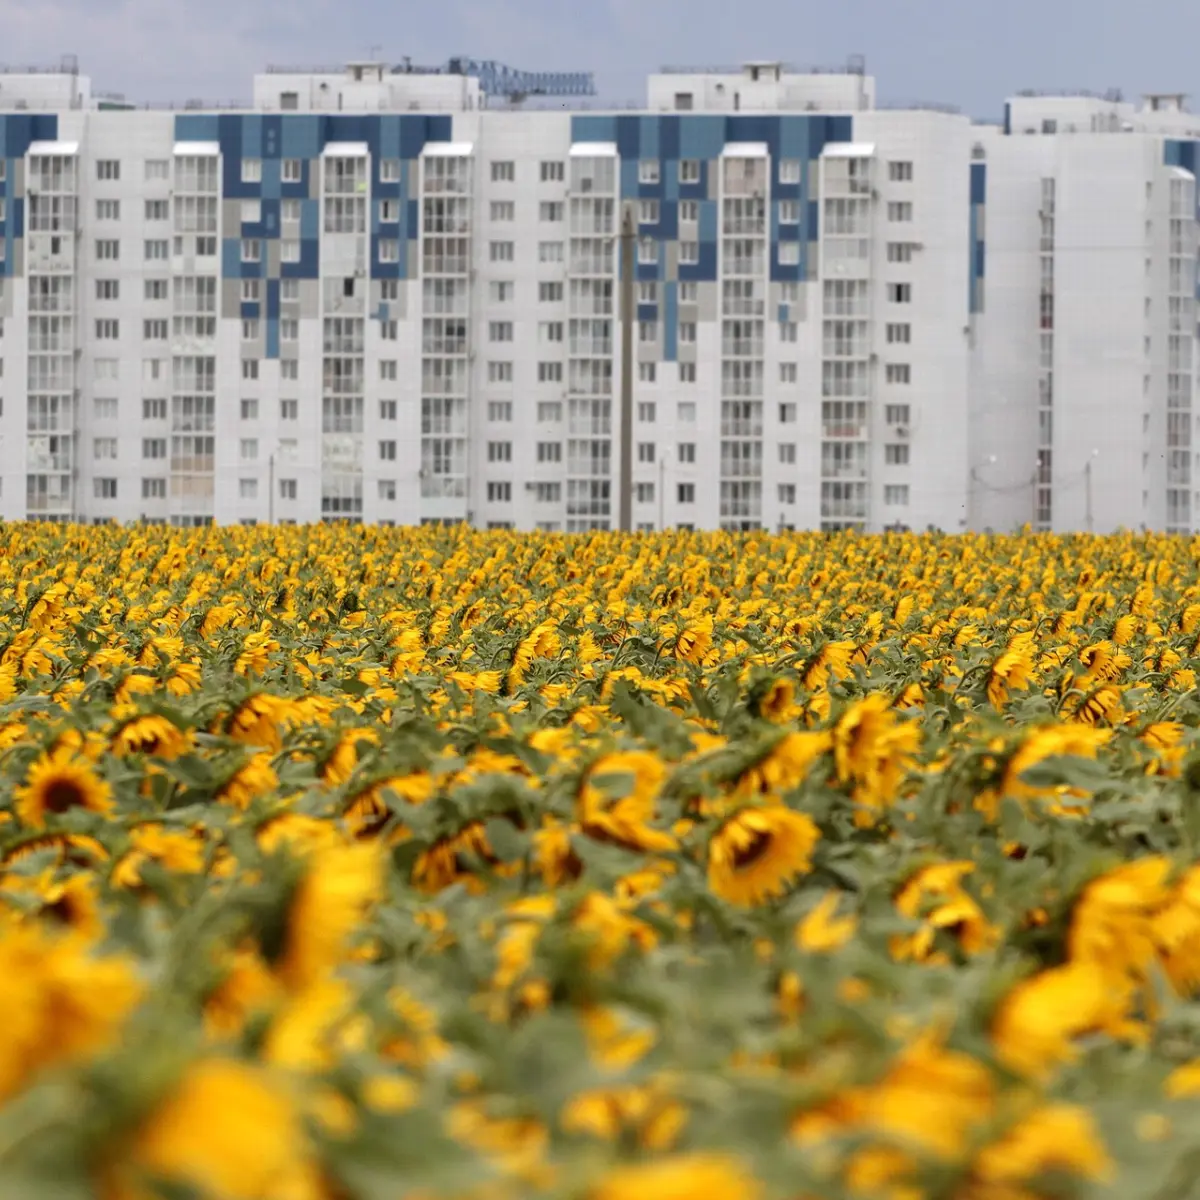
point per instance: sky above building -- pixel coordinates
(960, 52)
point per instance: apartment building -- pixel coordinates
(371, 295)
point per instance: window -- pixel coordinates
(789, 254)
(788, 372)
(503, 210)
(248, 449)
(157, 169)
(154, 289)
(550, 211)
(287, 489)
(787, 493)
(686, 493)
(500, 372)
(899, 293)
(647, 331)
(645, 493)
(787, 413)
(500, 411)
(687, 452)
(251, 170)
(499, 452)
(156, 250)
(106, 368)
(899, 210)
(154, 489)
(108, 170)
(550, 252)
(899, 334)
(899, 373)
(550, 372)
(500, 251)
(387, 489)
(291, 170)
(499, 493)
(550, 293)
(504, 172)
(787, 453)
(687, 333)
(550, 332)
(108, 250)
(896, 414)
(788, 331)
(251, 250)
(104, 448)
(685, 412)
(289, 369)
(547, 493)
(553, 172)
(689, 253)
(289, 329)
(648, 212)
(249, 410)
(108, 330)
(501, 291)
(108, 289)
(389, 250)
(154, 447)
(289, 410)
(647, 292)
(899, 252)
(105, 408)
(789, 170)
(500, 331)
(895, 494)
(248, 489)
(387, 451)
(108, 210)
(251, 327)
(289, 212)
(549, 452)
(389, 170)
(389, 289)
(648, 170)
(249, 368)
(645, 452)
(250, 291)
(647, 412)
(154, 331)
(387, 370)
(549, 411)
(900, 172)
(154, 410)
(895, 455)
(789, 212)
(647, 250)
(289, 252)
(689, 170)
(647, 372)
(251, 212)
(104, 489)
(687, 372)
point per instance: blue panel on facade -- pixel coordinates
(17, 132)
(629, 142)
(979, 183)
(1008, 116)
(709, 223)
(196, 127)
(668, 220)
(309, 265)
(250, 311)
(272, 178)
(647, 312)
(645, 272)
(16, 219)
(668, 140)
(272, 299)
(701, 137)
(310, 218)
(300, 137)
(231, 258)
(593, 129)
(272, 338)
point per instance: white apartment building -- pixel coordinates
(370, 296)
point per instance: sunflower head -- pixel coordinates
(59, 782)
(757, 853)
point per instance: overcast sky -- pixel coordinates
(962, 52)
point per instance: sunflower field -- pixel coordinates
(342, 863)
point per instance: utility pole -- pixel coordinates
(1087, 471)
(625, 496)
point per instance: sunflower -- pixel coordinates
(685, 1177)
(757, 853)
(153, 736)
(57, 783)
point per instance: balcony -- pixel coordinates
(742, 347)
(853, 471)
(839, 430)
(745, 429)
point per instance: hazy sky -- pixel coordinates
(961, 52)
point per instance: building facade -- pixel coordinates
(373, 297)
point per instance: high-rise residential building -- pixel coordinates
(370, 295)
